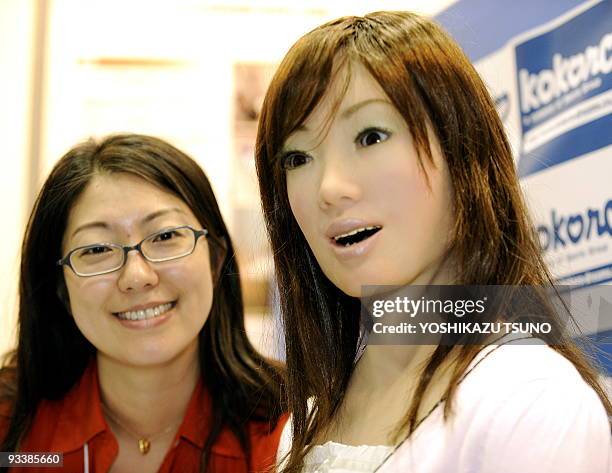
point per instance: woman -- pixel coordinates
(132, 353)
(382, 162)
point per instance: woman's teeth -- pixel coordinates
(143, 314)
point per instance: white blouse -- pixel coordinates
(523, 408)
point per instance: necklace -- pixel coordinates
(144, 441)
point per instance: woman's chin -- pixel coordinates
(147, 356)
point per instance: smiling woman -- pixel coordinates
(132, 351)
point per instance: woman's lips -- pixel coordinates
(146, 318)
(145, 312)
(356, 236)
(347, 225)
(355, 250)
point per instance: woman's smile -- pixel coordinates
(144, 312)
(147, 316)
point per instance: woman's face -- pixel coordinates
(124, 209)
(359, 196)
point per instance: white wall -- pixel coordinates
(16, 40)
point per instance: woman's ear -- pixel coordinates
(62, 294)
(218, 252)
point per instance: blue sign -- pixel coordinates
(564, 81)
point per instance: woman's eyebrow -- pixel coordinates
(152, 216)
(345, 114)
(161, 213)
(352, 109)
(90, 225)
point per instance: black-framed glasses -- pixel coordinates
(102, 258)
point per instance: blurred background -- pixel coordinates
(193, 72)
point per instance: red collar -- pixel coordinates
(78, 415)
(77, 418)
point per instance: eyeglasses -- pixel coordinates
(102, 258)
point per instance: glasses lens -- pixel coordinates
(169, 244)
(96, 259)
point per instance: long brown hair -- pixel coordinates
(431, 82)
(52, 353)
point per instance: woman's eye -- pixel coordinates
(165, 236)
(294, 160)
(372, 136)
(95, 250)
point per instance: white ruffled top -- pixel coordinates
(333, 457)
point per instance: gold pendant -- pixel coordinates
(144, 445)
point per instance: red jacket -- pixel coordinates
(75, 425)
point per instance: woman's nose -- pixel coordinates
(339, 185)
(137, 273)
